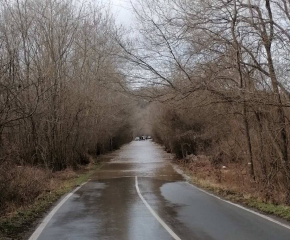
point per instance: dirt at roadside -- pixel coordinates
(233, 182)
(19, 217)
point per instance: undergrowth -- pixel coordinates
(243, 198)
(15, 224)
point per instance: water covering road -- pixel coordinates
(109, 207)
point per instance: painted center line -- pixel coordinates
(167, 228)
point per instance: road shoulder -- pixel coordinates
(278, 213)
(22, 222)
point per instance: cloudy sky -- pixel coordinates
(122, 9)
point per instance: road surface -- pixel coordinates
(137, 195)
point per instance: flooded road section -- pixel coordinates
(137, 194)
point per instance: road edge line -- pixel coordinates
(164, 225)
(188, 181)
(46, 220)
(241, 207)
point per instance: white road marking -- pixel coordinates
(167, 228)
(180, 171)
(151, 177)
(46, 220)
(244, 208)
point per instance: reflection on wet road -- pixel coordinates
(109, 207)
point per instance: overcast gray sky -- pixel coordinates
(122, 9)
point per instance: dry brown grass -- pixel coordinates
(235, 184)
(65, 175)
(20, 185)
(26, 193)
(233, 179)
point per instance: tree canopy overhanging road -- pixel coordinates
(208, 80)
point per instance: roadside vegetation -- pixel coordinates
(208, 79)
(217, 76)
(60, 101)
(22, 216)
(223, 182)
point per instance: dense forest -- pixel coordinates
(204, 77)
(59, 91)
(217, 74)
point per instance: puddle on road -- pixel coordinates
(142, 159)
(109, 208)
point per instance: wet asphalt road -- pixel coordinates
(109, 207)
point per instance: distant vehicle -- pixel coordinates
(142, 138)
